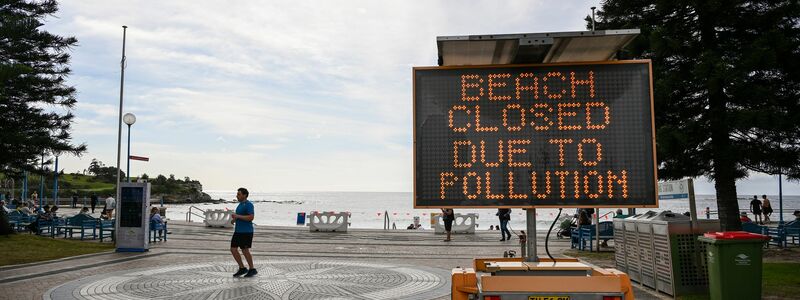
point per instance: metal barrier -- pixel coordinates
(328, 221)
(218, 218)
(189, 213)
(463, 223)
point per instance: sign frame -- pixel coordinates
(498, 66)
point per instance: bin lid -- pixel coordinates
(735, 235)
(669, 216)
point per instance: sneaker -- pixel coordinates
(251, 273)
(503, 240)
(241, 272)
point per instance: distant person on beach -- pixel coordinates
(243, 233)
(93, 201)
(109, 208)
(755, 208)
(448, 216)
(74, 200)
(743, 218)
(766, 207)
(504, 214)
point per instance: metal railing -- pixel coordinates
(786, 211)
(190, 213)
(608, 213)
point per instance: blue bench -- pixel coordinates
(78, 222)
(20, 221)
(106, 226)
(781, 236)
(575, 237)
(589, 234)
(791, 232)
(158, 231)
(44, 225)
(586, 234)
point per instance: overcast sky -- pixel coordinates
(279, 95)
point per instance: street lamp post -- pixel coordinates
(129, 119)
(119, 125)
(41, 184)
(55, 182)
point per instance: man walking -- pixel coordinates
(505, 215)
(243, 233)
(93, 201)
(755, 208)
(448, 216)
(111, 204)
(766, 208)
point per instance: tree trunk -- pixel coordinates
(723, 155)
(728, 205)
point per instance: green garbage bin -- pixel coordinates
(734, 264)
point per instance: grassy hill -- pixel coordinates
(173, 190)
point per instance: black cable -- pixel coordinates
(547, 237)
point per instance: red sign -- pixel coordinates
(142, 158)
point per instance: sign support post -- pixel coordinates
(530, 241)
(692, 205)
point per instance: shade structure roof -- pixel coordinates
(528, 48)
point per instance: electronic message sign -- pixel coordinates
(553, 135)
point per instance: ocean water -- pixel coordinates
(367, 209)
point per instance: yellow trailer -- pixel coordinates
(515, 279)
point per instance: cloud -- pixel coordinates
(265, 146)
(279, 95)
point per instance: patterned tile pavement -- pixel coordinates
(293, 264)
(277, 279)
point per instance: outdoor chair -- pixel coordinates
(777, 236)
(575, 237)
(19, 220)
(43, 226)
(792, 231)
(89, 224)
(24, 222)
(753, 228)
(106, 226)
(588, 234)
(158, 231)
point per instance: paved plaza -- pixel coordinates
(293, 263)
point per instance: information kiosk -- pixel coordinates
(132, 217)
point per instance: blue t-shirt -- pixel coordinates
(244, 208)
